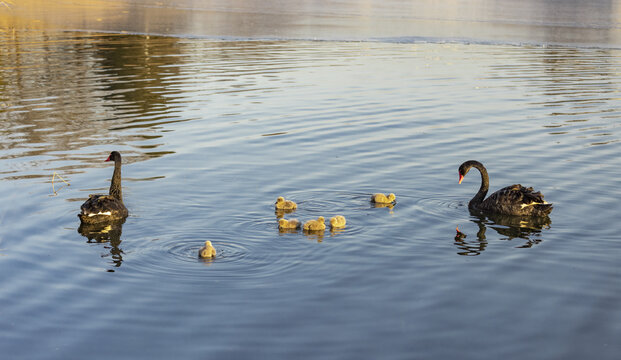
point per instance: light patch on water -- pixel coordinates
(584, 23)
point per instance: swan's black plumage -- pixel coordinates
(106, 208)
(511, 200)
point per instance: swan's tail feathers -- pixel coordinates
(544, 209)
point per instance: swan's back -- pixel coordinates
(516, 200)
(100, 208)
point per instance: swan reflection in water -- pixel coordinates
(109, 235)
(510, 226)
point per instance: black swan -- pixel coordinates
(511, 200)
(106, 208)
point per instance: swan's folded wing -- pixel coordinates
(99, 204)
(517, 200)
(516, 195)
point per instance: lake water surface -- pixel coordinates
(212, 129)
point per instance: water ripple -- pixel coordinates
(243, 259)
(441, 206)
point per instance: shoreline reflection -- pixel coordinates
(510, 227)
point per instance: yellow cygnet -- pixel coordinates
(383, 199)
(314, 225)
(337, 221)
(283, 204)
(207, 251)
(289, 224)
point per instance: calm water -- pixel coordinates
(212, 131)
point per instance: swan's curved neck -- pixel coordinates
(115, 186)
(480, 196)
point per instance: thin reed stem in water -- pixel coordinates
(61, 178)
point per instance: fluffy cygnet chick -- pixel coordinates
(337, 221)
(383, 199)
(207, 251)
(283, 204)
(288, 224)
(313, 225)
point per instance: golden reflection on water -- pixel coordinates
(64, 96)
(504, 20)
(116, 83)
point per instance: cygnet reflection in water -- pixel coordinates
(389, 206)
(316, 235)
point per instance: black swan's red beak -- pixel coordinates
(108, 159)
(461, 177)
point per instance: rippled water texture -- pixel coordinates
(213, 131)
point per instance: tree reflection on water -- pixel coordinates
(62, 94)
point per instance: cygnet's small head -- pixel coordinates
(280, 199)
(391, 197)
(208, 251)
(321, 219)
(283, 222)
